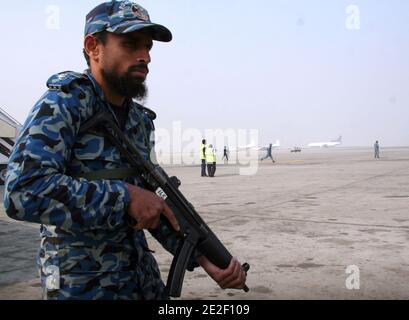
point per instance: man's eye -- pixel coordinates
(129, 44)
(134, 45)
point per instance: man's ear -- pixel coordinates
(91, 47)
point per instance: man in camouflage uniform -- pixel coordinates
(89, 250)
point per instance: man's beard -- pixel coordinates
(126, 85)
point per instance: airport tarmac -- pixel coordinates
(301, 224)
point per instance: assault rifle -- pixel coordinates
(194, 232)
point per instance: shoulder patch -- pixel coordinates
(64, 80)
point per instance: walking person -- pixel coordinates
(376, 149)
(225, 154)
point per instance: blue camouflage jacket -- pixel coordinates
(84, 225)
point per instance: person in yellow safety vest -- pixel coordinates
(211, 160)
(203, 157)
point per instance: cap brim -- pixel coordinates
(160, 33)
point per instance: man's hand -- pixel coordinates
(146, 208)
(231, 278)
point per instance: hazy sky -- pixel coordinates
(299, 71)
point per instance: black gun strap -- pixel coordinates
(109, 174)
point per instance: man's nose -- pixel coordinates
(144, 57)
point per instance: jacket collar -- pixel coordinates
(95, 84)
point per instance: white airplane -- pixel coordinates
(326, 144)
(249, 146)
(253, 145)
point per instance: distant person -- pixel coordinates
(203, 157)
(376, 149)
(211, 160)
(269, 153)
(225, 154)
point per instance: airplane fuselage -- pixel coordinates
(323, 144)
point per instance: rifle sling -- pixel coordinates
(109, 174)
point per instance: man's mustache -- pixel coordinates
(140, 67)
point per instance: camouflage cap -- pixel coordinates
(123, 17)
